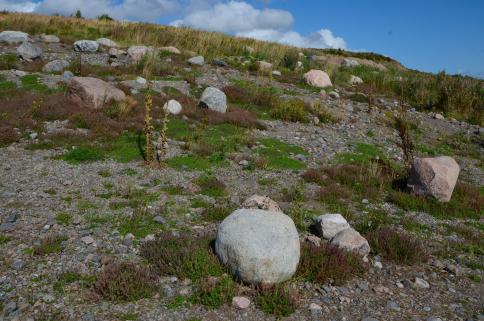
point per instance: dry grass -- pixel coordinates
(125, 281)
(397, 246)
(328, 263)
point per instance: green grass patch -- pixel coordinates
(83, 155)
(31, 83)
(276, 152)
(211, 186)
(140, 224)
(363, 154)
(194, 163)
(4, 239)
(63, 218)
(49, 244)
(278, 300)
(66, 278)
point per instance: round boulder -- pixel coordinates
(350, 240)
(14, 36)
(86, 46)
(317, 78)
(213, 99)
(55, 66)
(172, 107)
(29, 51)
(258, 246)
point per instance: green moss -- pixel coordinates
(194, 163)
(85, 281)
(126, 148)
(211, 186)
(4, 239)
(140, 225)
(363, 154)
(214, 296)
(277, 154)
(31, 83)
(83, 155)
(63, 218)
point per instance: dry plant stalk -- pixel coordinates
(149, 125)
(162, 141)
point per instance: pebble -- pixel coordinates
(87, 240)
(362, 285)
(18, 264)
(240, 302)
(315, 309)
(128, 239)
(378, 265)
(393, 305)
(421, 283)
(159, 219)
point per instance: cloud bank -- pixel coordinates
(234, 17)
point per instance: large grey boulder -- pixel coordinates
(434, 177)
(86, 46)
(136, 53)
(55, 66)
(328, 225)
(198, 61)
(93, 92)
(29, 51)
(14, 36)
(213, 99)
(106, 42)
(350, 240)
(317, 78)
(258, 246)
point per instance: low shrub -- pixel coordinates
(328, 263)
(184, 256)
(214, 292)
(211, 186)
(216, 213)
(278, 300)
(293, 110)
(125, 281)
(83, 155)
(49, 244)
(397, 246)
(8, 135)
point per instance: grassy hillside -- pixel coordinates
(455, 96)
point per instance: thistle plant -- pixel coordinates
(162, 142)
(148, 125)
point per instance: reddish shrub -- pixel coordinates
(237, 95)
(7, 136)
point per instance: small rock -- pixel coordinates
(328, 225)
(48, 298)
(244, 163)
(87, 240)
(18, 264)
(378, 265)
(421, 283)
(317, 78)
(240, 302)
(49, 38)
(128, 239)
(439, 116)
(159, 219)
(349, 239)
(106, 42)
(334, 94)
(219, 62)
(393, 305)
(198, 61)
(55, 66)
(86, 46)
(362, 285)
(171, 49)
(262, 203)
(315, 309)
(67, 75)
(276, 73)
(213, 99)
(172, 107)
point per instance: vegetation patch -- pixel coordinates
(63, 218)
(211, 186)
(328, 263)
(125, 281)
(278, 300)
(66, 278)
(397, 246)
(277, 154)
(49, 244)
(83, 155)
(140, 224)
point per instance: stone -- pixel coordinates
(213, 99)
(349, 239)
(171, 49)
(219, 62)
(128, 239)
(264, 65)
(172, 107)
(421, 283)
(107, 43)
(348, 63)
(434, 177)
(141, 80)
(369, 319)
(116, 53)
(93, 92)
(18, 264)
(315, 309)
(49, 38)
(197, 61)
(354, 80)
(159, 219)
(333, 94)
(14, 37)
(299, 65)
(136, 53)
(317, 78)
(378, 265)
(55, 66)
(393, 305)
(328, 225)
(67, 75)
(86, 46)
(87, 240)
(28, 51)
(244, 163)
(33, 135)
(240, 302)
(276, 73)
(313, 239)
(261, 203)
(258, 246)
(439, 116)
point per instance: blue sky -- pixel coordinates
(428, 35)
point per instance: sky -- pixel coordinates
(428, 35)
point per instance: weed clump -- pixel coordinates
(49, 244)
(397, 246)
(293, 110)
(279, 300)
(328, 263)
(182, 256)
(211, 186)
(125, 281)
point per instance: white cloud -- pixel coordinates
(144, 10)
(17, 6)
(244, 20)
(235, 16)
